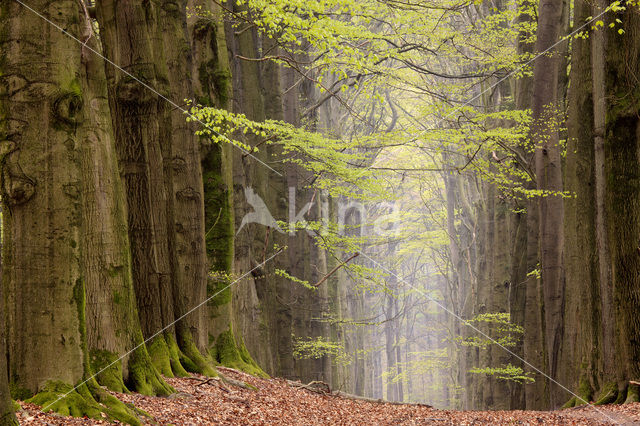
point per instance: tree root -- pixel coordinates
(143, 377)
(633, 392)
(233, 354)
(87, 400)
(237, 383)
(608, 394)
(192, 358)
(583, 397)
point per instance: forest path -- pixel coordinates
(202, 401)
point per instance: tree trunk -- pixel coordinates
(212, 87)
(7, 416)
(184, 186)
(41, 103)
(545, 136)
(622, 192)
(135, 112)
(43, 193)
(113, 327)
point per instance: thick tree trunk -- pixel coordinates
(582, 348)
(113, 327)
(41, 182)
(212, 87)
(622, 192)
(7, 416)
(135, 114)
(254, 300)
(582, 256)
(545, 136)
(44, 165)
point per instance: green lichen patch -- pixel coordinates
(229, 353)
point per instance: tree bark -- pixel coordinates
(545, 136)
(7, 416)
(583, 349)
(41, 99)
(135, 114)
(622, 192)
(184, 186)
(113, 327)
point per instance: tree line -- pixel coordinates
(505, 131)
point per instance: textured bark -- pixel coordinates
(113, 327)
(41, 99)
(545, 136)
(254, 299)
(135, 115)
(212, 87)
(536, 394)
(622, 171)
(582, 342)
(7, 416)
(184, 185)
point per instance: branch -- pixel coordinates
(333, 271)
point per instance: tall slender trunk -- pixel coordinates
(184, 186)
(545, 136)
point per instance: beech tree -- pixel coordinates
(503, 134)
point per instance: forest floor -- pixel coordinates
(202, 401)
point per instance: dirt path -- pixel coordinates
(275, 402)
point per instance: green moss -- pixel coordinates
(117, 298)
(633, 394)
(219, 225)
(108, 368)
(213, 76)
(570, 403)
(63, 399)
(176, 358)
(584, 392)
(622, 396)
(87, 400)
(143, 377)
(18, 392)
(584, 395)
(159, 353)
(608, 394)
(112, 406)
(192, 359)
(229, 353)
